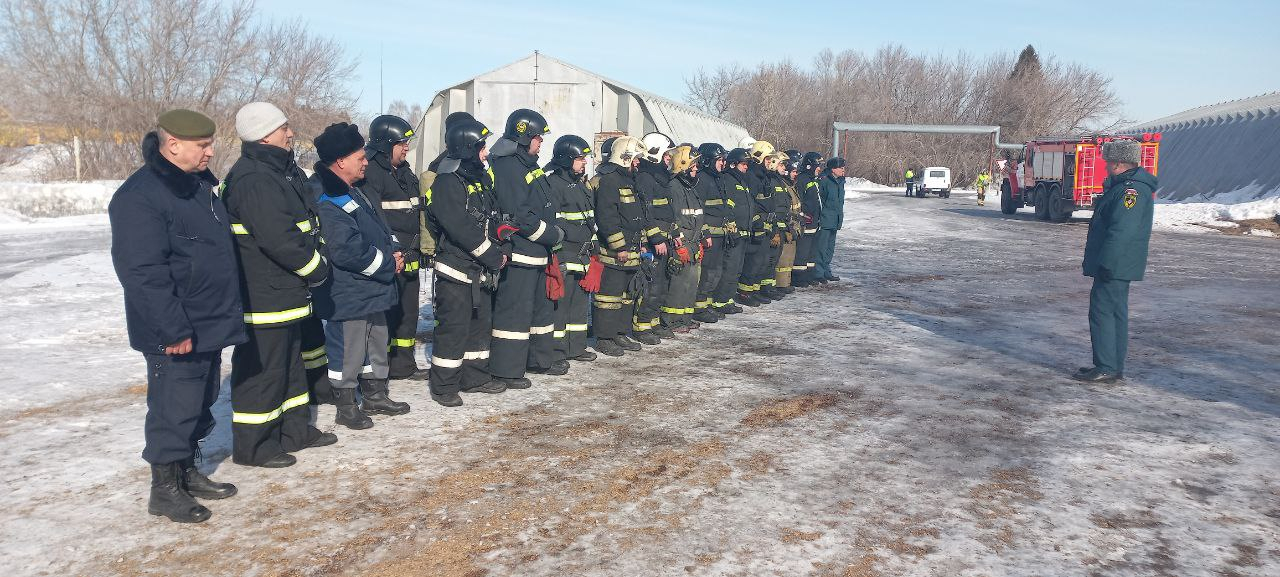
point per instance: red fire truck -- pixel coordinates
(1061, 175)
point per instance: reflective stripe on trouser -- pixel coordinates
(649, 308)
(315, 360)
(769, 269)
(269, 394)
(800, 270)
(754, 261)
(1109, 324)
(782, 273)
(733, 260)
(402, 325)
(571, 313)
(613, 306)
(357, 348)
(460, 343)
(521, 306)
(711, 269)
(180, 391)
(681, 292)
(826, 248)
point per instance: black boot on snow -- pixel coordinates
(664, 332)
(648, 338)
(349, 414)
(170, 499)
(376, 400)
(586, 357)
(706, 316)
(627, 343)
(608, 348)
(202, 487)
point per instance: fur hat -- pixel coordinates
(337, 141)
(257, 120)
(1126, 151)
(836, 162)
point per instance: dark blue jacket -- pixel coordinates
(358, 246)
(1120, 229)
(831, 190)
(173, 252)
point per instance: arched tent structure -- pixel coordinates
(1230, 150)
(574, 101)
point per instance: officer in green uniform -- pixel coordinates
(1115, 253)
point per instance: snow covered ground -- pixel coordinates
(913, 419)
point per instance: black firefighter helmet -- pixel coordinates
(464, 139)
(708, 153)
(523, 125)
(567, 148)
(387, 131)
(737, 155)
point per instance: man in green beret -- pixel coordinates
(1115, 253)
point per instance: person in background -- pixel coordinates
(831, 188)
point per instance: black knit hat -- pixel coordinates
(337, 141)
(836, 162)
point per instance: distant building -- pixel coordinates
(1230, 149)
(573, 100)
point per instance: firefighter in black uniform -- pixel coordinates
(523, 316)
(684, 261)
(652, 179)
(277, 232)
(810, 208)
(779, 218)
(620, 220)
(757, 254)
(390, 184)
(718, 226)
(427, 242)
(734, 182)
(463, 218)
(575, 215)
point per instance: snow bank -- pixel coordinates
(1194, 216)
(54, 199)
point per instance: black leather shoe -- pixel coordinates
(747, 300)
(279, 461)
(833, 278)
(348, 413)
(664, 333)
(1096, 376)
(376, 399)
(647, 338)
(586, 357)
(447, 399)
(416, 375)
(517, 384)
(492, 387)
(608, 347)
(557, 368)
(732, 309)
(706, 316)
(202, 487)
(627, 343)
(170, 499)
(323, 440)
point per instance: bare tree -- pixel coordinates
(709, 91)
(107, 68)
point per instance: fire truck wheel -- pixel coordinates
(1006, 199)
(1059, 208)
(1041, 197)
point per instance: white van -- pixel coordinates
(935, 179)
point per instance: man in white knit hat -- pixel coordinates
(277, 232)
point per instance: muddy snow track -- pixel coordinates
(914, 419)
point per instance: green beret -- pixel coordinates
(184, 123)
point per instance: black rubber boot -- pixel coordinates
(586, 357)
(664, 332)
(627, 343)
(447, 399)
(608, 348)
(202, 487)
(706, 316)
(520, 383)
(376, 400)
(748, 300)
(349, 414)
(170, 499)
(647, 338)
(557, 368)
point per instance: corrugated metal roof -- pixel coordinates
(1233, 109)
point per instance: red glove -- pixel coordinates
(555, 279)
(591, 281)
(506, 231)
(683, 253)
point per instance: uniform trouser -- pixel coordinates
(315, 361)
(269, 395)
(769, 270)
(460, 343)
(786, 263)
(826, 245)
(523, 323)
(180, 391)
(755, 259)
(911, 186)
(712, 268)
(982, 194)
(681, 292)
(649, 307)
(613, 304)
(357, 348)
(733, 261)
(1109, 324)
(571, 314)
(402, 323)
(802, 270)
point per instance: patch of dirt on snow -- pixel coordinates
(997, 503)
(795, 536)
(1252, 227)
(914, 278)
(779, 411)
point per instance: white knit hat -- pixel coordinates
(256, 120)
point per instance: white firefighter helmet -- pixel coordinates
(761, 149)
(625, 149)
(747, 142)
(656, 144)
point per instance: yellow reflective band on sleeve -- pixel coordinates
(653, 231)
(303, 225)
(714, 202)
(314, 358)
(660, 202)
(262, 418)
(311, 265)
(575, 267)
(584, 215)
(403, 343)
(237, 228)
(766, 282)
(411, 266)
(313, 353)
(730, 202)
(535, 173)
(607, 299)
(617, 236)
(740, 187)
(559, 334)
(582, 328)
(277, 317)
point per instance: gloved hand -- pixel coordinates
(506, 231)
(555, 279)
(776, 240)
(683, 254)
(591, 281)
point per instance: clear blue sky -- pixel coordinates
(1163, 57)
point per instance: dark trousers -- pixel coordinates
(826, 245)
(402, 323)
(802, 270)
(712, 269)
(1109, 324)
(269, 395)
(681, 292)
(755, 259)
(648, 309)
(613, 304)
(315, 361)
(733, 261)
(769, 270)
(523, 323)
(180, 391)
(460, 342)
(571, 314)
